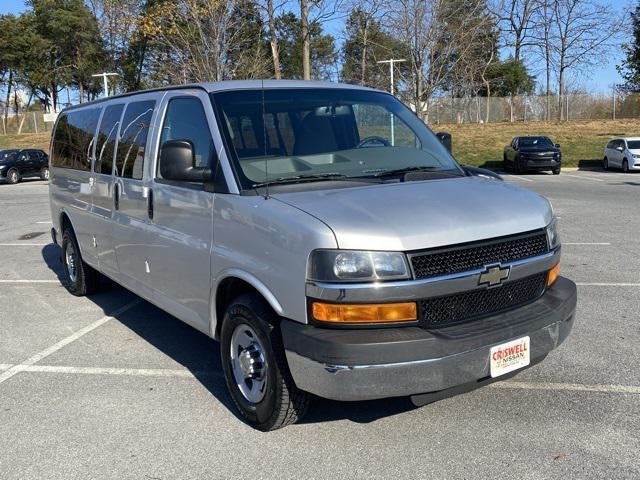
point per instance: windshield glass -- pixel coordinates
(633, 144)
(535, 142)
(5, 154)
(324, 133)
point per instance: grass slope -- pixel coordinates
(582, 142)
(28, 140)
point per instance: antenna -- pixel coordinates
(264, 142)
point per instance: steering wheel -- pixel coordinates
(372, 139)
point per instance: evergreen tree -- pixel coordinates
(365, 45)
(630, 68)
(323, 49)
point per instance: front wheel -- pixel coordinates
(255, 367)
(625, 166)
(44, 173)
(605, 163)
(13, 176)
(556, 171)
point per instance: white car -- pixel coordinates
(622, 153)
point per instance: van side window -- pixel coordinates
(73, 139)
(133, 139)
(186, 120)
(106, 142)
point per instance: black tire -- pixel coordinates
(517, 168)
(625, 166)
(283, 403)
(13, 176)
(605, 163)
(85, 279)
(556, 171)
(44, 173)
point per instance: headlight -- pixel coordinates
(552, 234)
(351, 265)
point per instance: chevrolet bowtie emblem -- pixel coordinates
(494, 275)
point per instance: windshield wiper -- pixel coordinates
(400, 171)
(307, 178)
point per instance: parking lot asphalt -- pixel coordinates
(112, 387)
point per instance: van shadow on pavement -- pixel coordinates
(200, 354)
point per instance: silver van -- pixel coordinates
(320, 232)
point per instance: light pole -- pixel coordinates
(105, 76)
(392, 62)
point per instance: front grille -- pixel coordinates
(461, 307)
(473, 256)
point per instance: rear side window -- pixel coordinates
(133, 139)
(73, 139)
(106, 142)
(186, 120)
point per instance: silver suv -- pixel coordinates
(320, 232)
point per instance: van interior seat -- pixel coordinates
(316, 135)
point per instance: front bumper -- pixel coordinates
(531, 164)
(393, 362)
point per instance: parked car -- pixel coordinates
(16, 164)
(532, 153)
(623, 153)
(321, 232)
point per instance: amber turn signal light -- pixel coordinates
(552, 276)
(368, 313)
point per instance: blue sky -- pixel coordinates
(600, 78)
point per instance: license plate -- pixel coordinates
(509, 356)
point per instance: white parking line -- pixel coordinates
(595, 284)
(45, 222)
(518, 177)
(29, 281)
(64, 342)
(584, 177)
(24, 244)
(5, 366)
(587, 243)
(569, 387)
(135, 372)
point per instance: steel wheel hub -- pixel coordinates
(248, 363)
(70, 260)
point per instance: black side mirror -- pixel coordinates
(177, 162)
(445, 139)
(557, 145)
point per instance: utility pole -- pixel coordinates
(105, 76)
(392, 62)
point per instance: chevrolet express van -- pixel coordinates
(320, 232)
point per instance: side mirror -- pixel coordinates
(620, 149)
(557, 145)
(445, 139)
(177, 162)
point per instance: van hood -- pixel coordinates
(417, 215)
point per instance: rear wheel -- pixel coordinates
(625, 166)
(255, 367)
(44, 173)
(79, 278)
(13, 176)
(605, 163)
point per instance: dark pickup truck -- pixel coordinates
(532, 153)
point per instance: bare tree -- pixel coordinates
(543, 20)
(515, 20)
(313, 12)
(583, 33)
(271, 9)
(438, 33)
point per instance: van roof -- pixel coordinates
(233, 85)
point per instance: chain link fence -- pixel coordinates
(532, 108)
(24, 123)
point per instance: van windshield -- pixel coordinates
(319, 134)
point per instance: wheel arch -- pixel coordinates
(230, 285)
